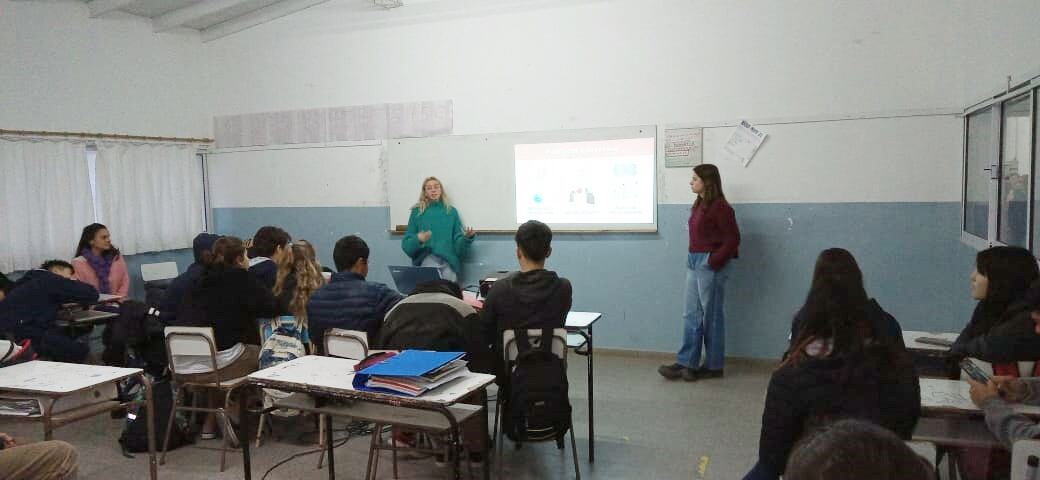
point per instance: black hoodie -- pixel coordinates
(179, 287)
(534, 299)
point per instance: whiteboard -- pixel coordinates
(477, 173)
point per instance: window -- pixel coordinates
(1000, 148)
(980, 165)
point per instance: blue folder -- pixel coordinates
(408, 363)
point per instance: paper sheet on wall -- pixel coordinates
(683, 147)
(744, 142)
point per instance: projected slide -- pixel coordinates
(597, 182)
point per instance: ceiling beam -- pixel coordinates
(181, 16)
(257, 17)
(101, 7)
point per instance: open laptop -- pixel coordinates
(407, 277)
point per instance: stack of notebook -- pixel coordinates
(412, 372)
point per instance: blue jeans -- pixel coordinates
(440, 264)
(703, 317)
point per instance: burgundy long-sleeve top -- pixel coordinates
(713, 229)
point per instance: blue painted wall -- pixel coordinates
(133, 265)
(909, 252)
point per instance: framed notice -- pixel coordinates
(683, 147)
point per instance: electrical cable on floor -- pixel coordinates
(353, 429)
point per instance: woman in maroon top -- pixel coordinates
(714, 238)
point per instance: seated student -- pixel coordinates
(348, 301)
(839, 366)
(1000, 281)
(99, 263)
(531, 298)
(837, 265)
(308, 249)
(229, 299)
(299, 276)
(855, 450)
(50, 460)
(1009, 343)
(434, 317)
(32, 308)
(179, 287)
(996, 396)
(269, 244)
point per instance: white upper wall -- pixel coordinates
(64, 71)
(997, 40)
(601, 63)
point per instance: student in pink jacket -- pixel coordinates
(98, 263)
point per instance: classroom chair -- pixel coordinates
(197, 341)
(510, 352)
(352, 344)
(158, 271)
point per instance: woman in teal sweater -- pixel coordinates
(435, 236)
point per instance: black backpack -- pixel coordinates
(135, 434)
(538, 406)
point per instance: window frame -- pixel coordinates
(997, 102)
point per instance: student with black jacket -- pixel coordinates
(1001, 324)
(31, 310)
(838, 264)
(229, 299)
(841, 365)
(531, 298)
(179, 287)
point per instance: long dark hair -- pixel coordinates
(709, 174)
(836, 309)
(1009, 271)
(89, 232)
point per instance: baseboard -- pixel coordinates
(665, 356)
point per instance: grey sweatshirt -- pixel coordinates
(1007, 425)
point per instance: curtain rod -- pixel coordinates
(112, 136)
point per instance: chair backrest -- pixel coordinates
(534, 335)
(193, 341)
(352, 344)
(158, 271)
(1020, 453)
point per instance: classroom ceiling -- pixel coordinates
(216, 18)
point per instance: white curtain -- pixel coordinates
(150, 196)
(46, 200)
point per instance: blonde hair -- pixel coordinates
(306, 272)
(423, 203)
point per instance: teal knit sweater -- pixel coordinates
(447, 239)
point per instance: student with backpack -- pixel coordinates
(531, 298)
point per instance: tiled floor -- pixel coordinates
(646, 428)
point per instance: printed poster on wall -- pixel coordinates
(744, 142)
(683, 147)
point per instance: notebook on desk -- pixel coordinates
(406, 278)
